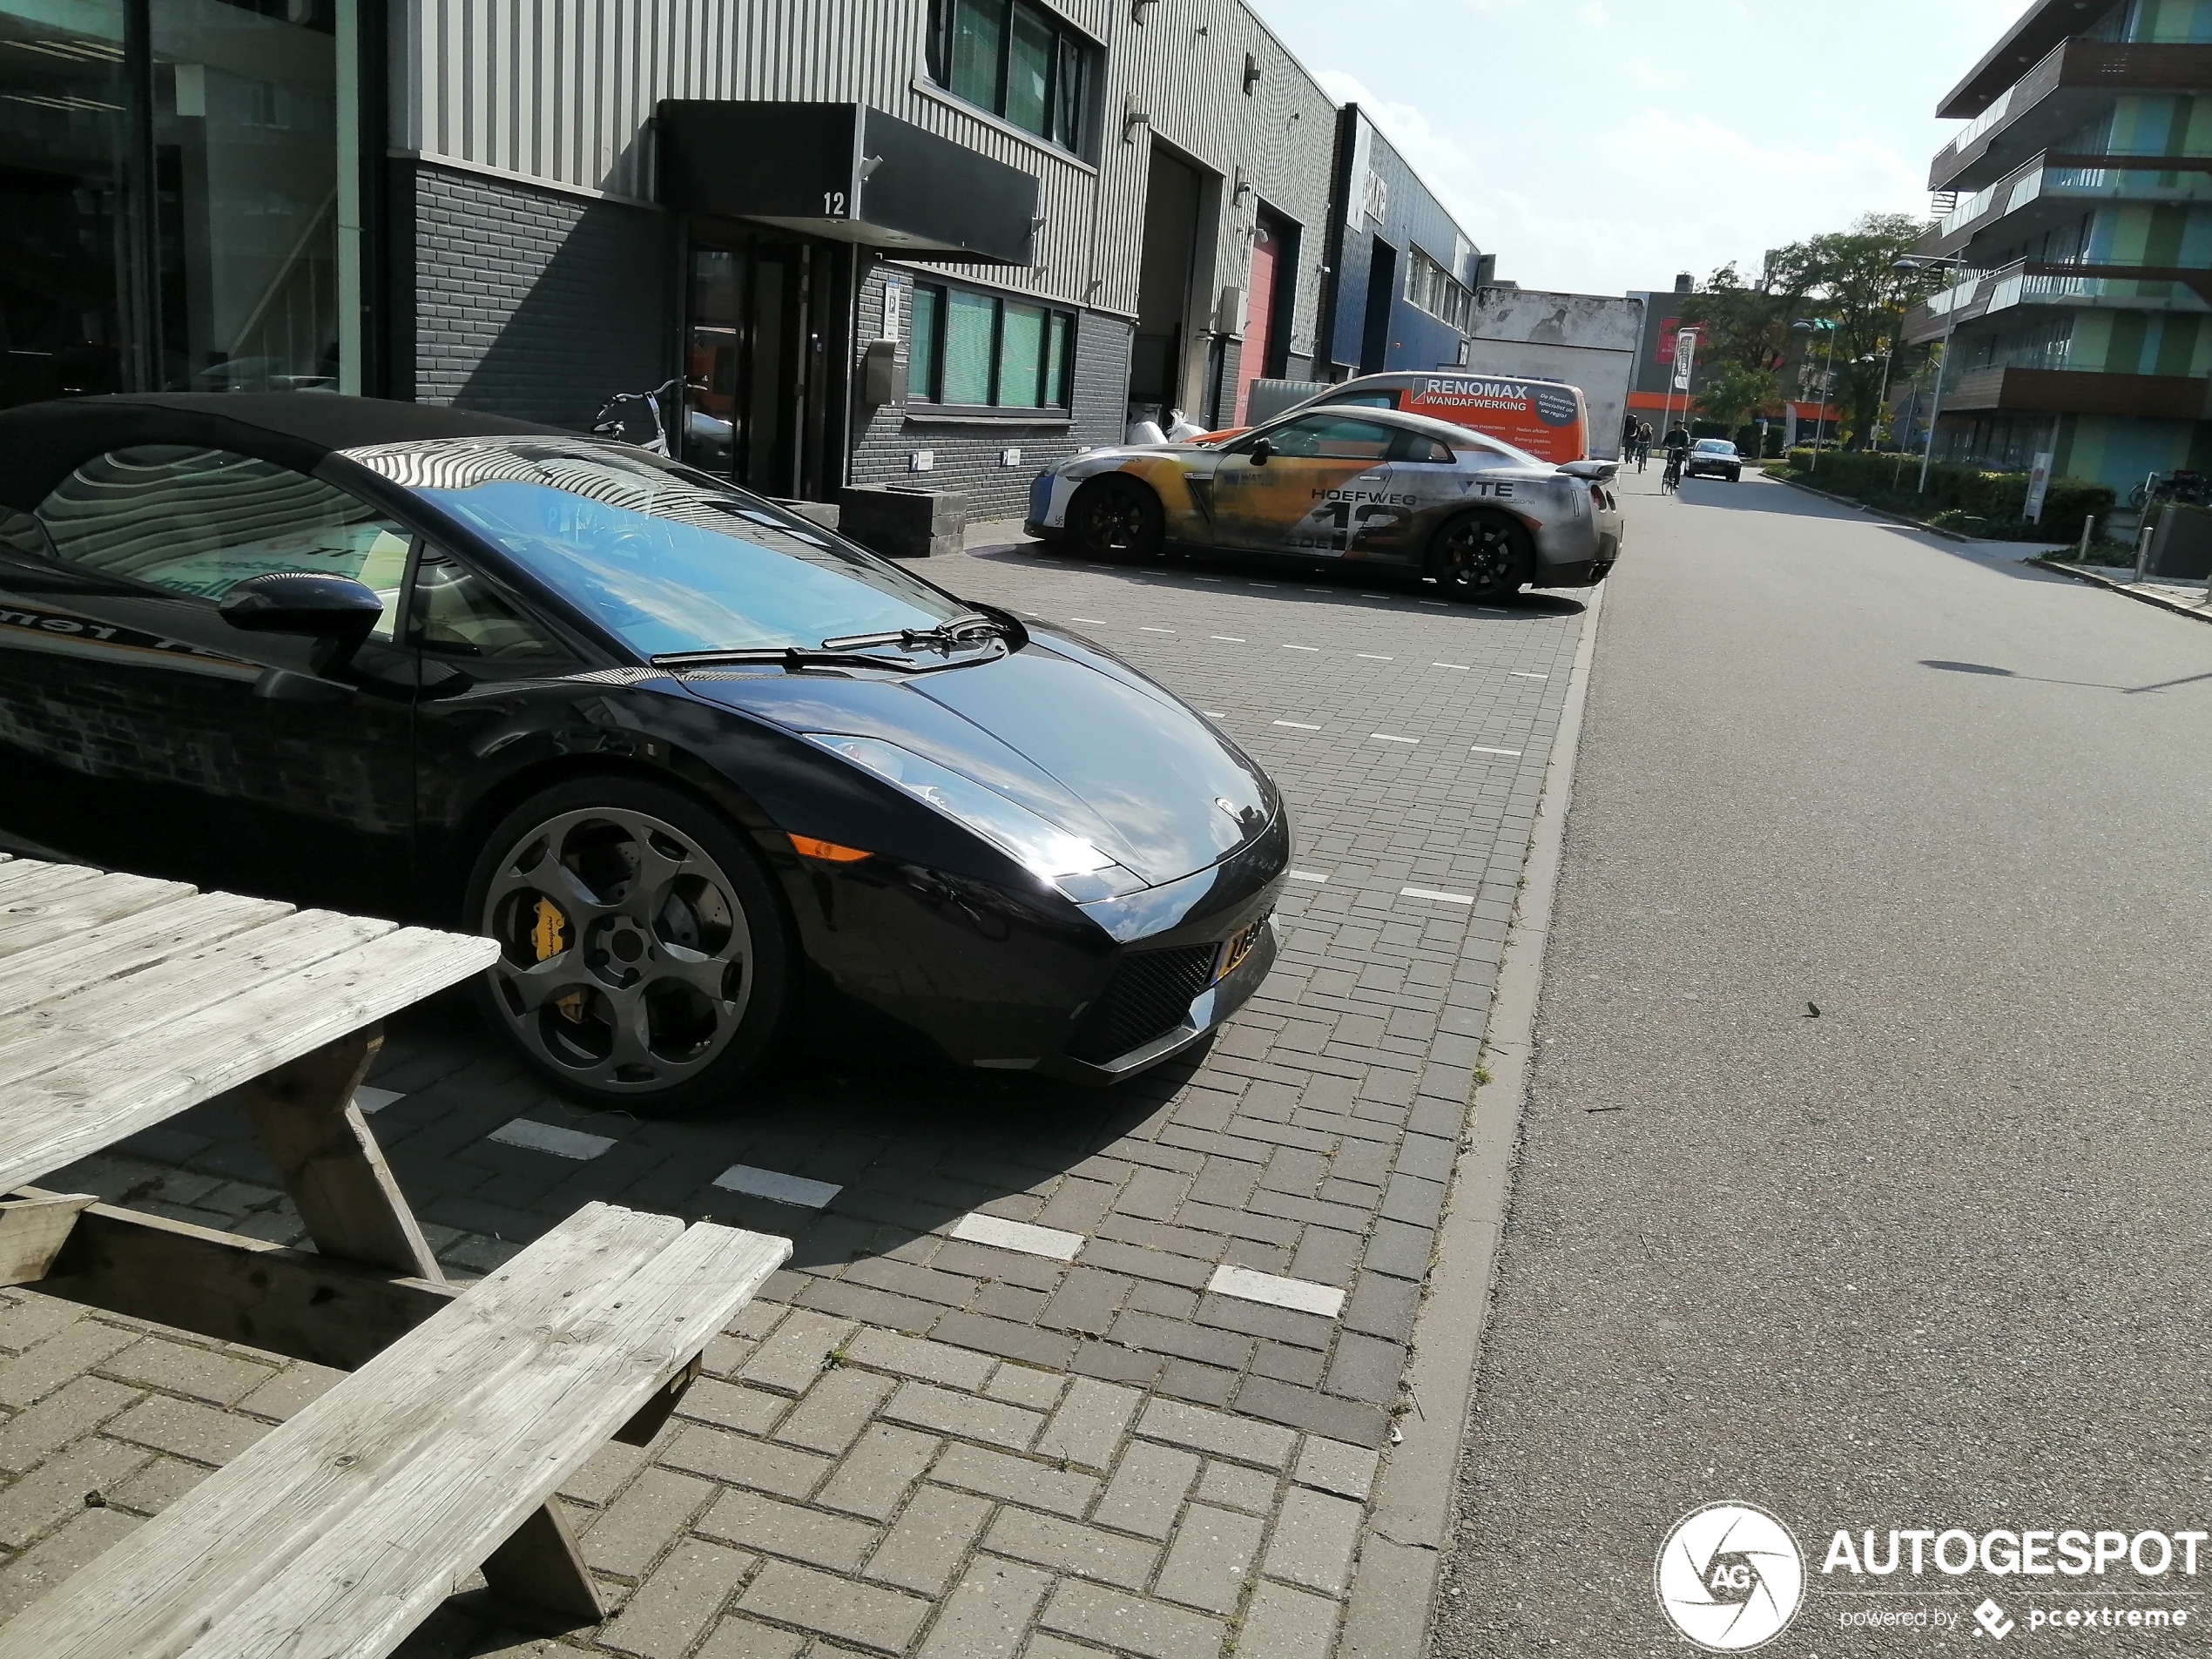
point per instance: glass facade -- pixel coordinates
(179, 201)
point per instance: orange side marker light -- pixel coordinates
(828, 851)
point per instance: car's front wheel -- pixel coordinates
(1116, 517)
(1480, 555)
(644, 960)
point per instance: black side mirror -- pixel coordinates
(1260, 451)
(336, 612)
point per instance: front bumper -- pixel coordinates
(1009, 980)
(1031, 528)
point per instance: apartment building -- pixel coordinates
(2083, 223)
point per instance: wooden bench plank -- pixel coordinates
(68, 1112)
(79, 955)
(28, 923)
(65, 1030)
(334, 1535)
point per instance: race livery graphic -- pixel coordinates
(1729, 1577)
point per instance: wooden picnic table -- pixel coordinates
(127, 1000)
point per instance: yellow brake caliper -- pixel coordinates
(550, 937)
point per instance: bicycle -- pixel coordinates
(1670, 480)
(2188, 487)
(614, 418)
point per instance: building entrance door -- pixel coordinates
(754, 365)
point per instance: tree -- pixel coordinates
(1737, 393)
(1847, 277)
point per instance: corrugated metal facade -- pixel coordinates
(560, 92)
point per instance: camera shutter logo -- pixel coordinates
(1729, 1577)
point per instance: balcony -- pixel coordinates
(2063, 92)
(2061, 391)
(2053, 187)
(2045, 283)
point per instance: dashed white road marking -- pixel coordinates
(1299, 725)
(1208, 578)
(1300, 1295)
(375, 1100)
(550, 1137)
(1003, 1234)
(1250, 583)
(1317, 589)
(1301, 648)
(1523, 674)
(774, 1183)
(1384, 737)
(1372, 658)
(1215, 714)
(1511, 754)
(1441, 898)
(1436, 602)
(1228, 639)
(1305, 875)
(1096, 622)
(1155, 630)
(1458, 665)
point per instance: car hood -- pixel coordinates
(1075, 735)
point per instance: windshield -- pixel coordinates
(664, 558)
(1714, 446)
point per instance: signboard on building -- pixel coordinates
(1685, 357)
(2038, 484)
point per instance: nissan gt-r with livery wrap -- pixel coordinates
(1474, 513)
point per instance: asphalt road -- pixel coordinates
(1936, 1258)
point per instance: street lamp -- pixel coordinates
(1936, 262)
(1819, 325)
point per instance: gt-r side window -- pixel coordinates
(199, 521)
(1331, 437)
(457, 613)
(1418, 448)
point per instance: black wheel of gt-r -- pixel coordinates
(645, 961)
(1116, 518)
(1480, 555)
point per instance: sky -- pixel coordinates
(1601, 145)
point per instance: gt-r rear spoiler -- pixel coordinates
(1596, 472)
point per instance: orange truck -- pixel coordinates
(1549, 420)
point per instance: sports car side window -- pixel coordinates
(199, 521)
(1418, 448)
(1331, 437)
(457, 613)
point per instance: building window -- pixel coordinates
(1429, 286)
(978, 351)
(1016, 60)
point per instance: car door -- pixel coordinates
(1295, 488)
(140, 729)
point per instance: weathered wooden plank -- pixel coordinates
(28, 924)
(32, 1232)
(27, 877)
(330, 1163)
(540, 1566)
(291, 1302)
(333, 1536)
(67, 1112)
(63, 1030)
(86, 956)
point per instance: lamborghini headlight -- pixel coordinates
(1079, 869)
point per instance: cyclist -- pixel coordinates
(1677, 451)
(1643, 445)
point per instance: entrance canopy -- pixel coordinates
(848, 173)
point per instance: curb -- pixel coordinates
(1394, 1587)
(1876, 512)
(2194, 613)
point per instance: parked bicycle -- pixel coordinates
(2192, 489)
(635, 417)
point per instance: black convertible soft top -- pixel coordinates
(42, 443)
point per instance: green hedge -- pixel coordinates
(1955, 494)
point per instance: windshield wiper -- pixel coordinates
(946, 636)
(790, 658)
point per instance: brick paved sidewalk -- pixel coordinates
(1053, 1371)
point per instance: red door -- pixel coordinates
(1259, 314)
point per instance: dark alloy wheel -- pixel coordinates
(1116, 518)
(1480, 555)
(644, 958)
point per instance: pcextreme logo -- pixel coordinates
(1729, 1577)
